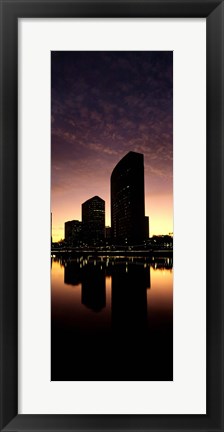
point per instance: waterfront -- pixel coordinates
(112, 318)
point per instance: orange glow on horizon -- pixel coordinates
(158, 208)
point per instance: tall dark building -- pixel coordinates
(93, 219)
(128, 221)
(51, 228)
(146, 227)
(108, 232)
(73, 232)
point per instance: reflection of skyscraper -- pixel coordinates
(93, 219)
(129, 299)
(128, 221)
(93, 288)
(72, 273)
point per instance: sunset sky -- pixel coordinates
(103, 105)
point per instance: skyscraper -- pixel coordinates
(93, 219)
(51, 228)
(73, 232)
(128, 221)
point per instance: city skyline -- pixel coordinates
(105, 104)
(129, 225)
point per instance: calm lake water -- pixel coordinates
(112, 319)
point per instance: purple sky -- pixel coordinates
(105, 104)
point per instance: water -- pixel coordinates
(112, 319)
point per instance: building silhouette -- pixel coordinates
(93, 220)
(107, 232)
(129, 225)
(73, 232)
(51, 229)
(146, 227)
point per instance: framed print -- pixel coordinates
(110, 262)
(107, 276)
(111, 205)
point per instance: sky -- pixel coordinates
(103, 105)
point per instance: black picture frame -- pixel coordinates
(11, 11)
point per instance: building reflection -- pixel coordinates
(93, 288)
(129, 299)
(72, 273)
(130, 281)
(162, 263)
(137, 340)
(92, 280)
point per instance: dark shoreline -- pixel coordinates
(117, 253)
